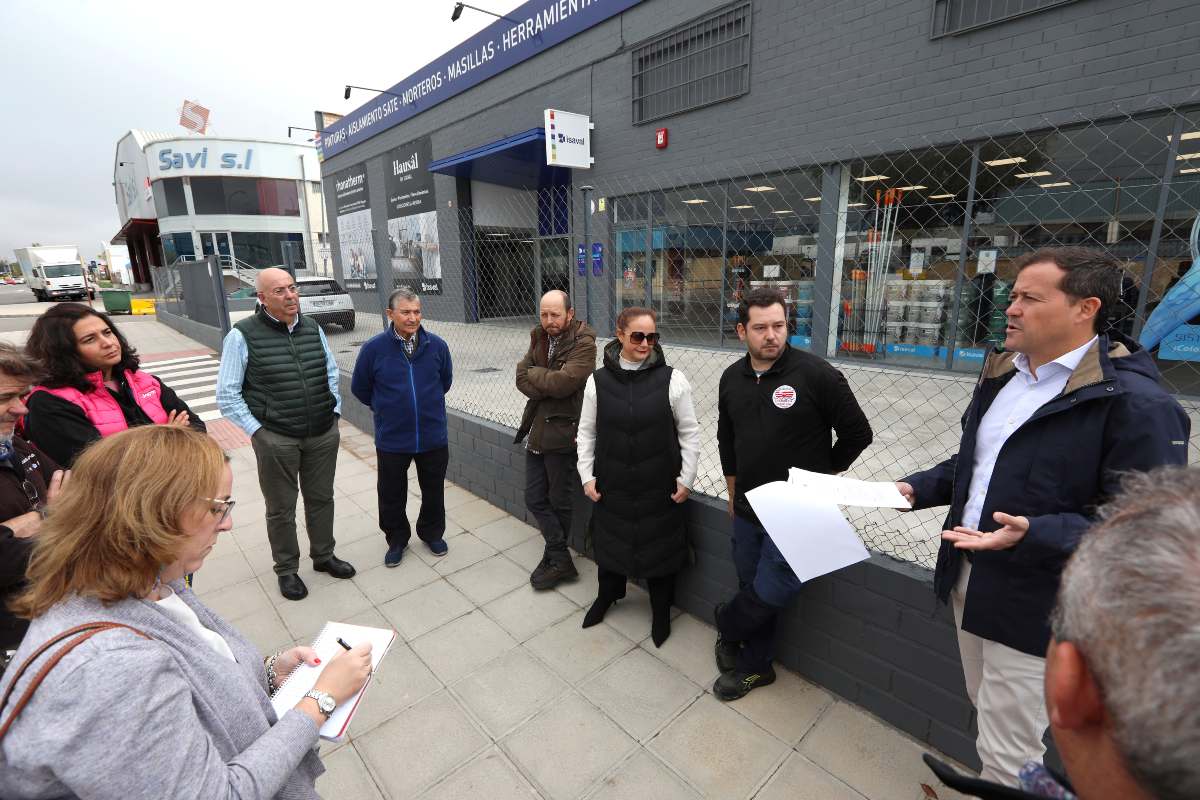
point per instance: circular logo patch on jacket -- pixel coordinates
(784, 397)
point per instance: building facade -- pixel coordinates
(251, 203)
(883, 163)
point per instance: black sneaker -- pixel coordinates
(735, 685)
(394, 555)
(553, 571)
(726, 652)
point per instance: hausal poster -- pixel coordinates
(353, 210)
(412, 218)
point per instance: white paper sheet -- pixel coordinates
(305, 676)
(813, 536)
(818, 487)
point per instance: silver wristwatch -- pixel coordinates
(325, 701)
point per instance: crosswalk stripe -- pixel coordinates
(184, 360)
(205, 392)
(187, 373)
(209, 416)
(174, 384)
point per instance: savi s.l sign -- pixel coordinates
(539, 25)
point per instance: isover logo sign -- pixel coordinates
(169, 159)
(565, 139)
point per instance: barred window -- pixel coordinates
(952, 17)
(695, 65)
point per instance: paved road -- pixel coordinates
(10, 295)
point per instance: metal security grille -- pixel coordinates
(951, 17)
(696, 65)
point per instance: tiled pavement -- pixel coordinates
(493, 690)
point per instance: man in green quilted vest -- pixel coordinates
(279, 383)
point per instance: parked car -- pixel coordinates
(324, 300)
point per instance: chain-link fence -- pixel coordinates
(896, 264)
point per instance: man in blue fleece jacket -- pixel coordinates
(403, 375)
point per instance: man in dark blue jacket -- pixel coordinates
(403, 375)
(1054, 421)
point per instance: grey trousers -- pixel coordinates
(281, 461)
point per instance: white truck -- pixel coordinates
(53, 273)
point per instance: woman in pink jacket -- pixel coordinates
(93, 387)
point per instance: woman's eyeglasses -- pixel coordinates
(222, 507)
(637, 337)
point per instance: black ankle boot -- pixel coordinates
(595, 614)
(660, 626)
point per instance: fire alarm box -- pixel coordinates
(660, 138)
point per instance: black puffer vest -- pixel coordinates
(637, 530)
(286, 386)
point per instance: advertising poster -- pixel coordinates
(412, 218)
(353, 211)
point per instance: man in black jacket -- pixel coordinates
(1054, 421)
(28, 481)
(777, 408)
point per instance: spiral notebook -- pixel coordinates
(304, 677)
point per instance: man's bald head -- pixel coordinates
(271, 277)
(277, 292)
(556, 312)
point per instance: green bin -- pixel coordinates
(117, 301)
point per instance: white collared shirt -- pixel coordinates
(1019, 400)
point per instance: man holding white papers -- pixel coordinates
(778, 408)
(1053, 423)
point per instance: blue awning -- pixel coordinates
(518, 161)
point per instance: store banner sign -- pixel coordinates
(412, 218)
(1181, 344)
(538, 26)
(352, 204)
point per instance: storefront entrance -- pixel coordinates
(220, 244)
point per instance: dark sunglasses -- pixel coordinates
(637, 337)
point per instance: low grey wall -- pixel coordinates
(872, 633)
(206, 335)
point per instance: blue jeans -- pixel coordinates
(766, 584)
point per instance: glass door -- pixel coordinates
(218, 243)
(554, 262)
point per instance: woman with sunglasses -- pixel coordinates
(93, 386)
(638, 443)
(173, 701)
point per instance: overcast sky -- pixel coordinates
(78, 75)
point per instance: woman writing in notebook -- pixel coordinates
(172, 701)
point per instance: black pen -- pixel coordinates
(342, 643)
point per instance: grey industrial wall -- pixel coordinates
(834, 78)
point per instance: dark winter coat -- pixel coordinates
(554, 387)
(1066, 460)
(28, 463)
(786, 418)
(406, 395)
(637, 529)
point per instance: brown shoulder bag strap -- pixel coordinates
(81, 634)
